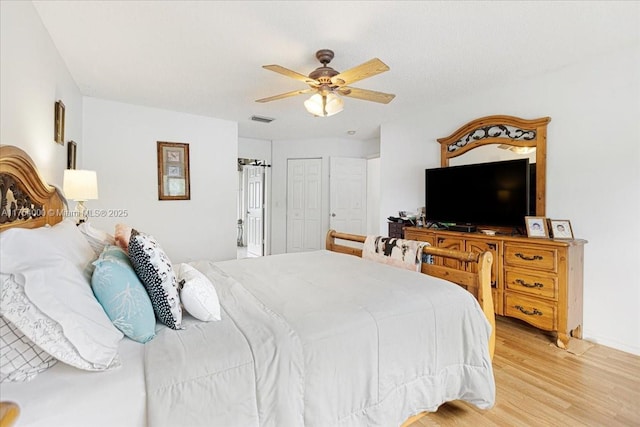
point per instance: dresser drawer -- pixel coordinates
(532, 284)
(539, 313)
(531, 257)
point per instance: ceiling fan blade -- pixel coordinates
(362, 71)
(285, 95)
(289, 73)
(366, 95)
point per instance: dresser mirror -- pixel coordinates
(498, 138)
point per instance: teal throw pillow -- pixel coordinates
(122, 295)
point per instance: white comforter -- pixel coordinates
(320, 339)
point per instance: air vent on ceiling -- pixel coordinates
(262, 119)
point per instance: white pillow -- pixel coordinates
(51, 267)
(97, 239)
(43, 331)
(198, 295)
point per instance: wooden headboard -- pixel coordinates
(506, 130)
(26, 200)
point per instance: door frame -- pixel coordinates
(266, 202)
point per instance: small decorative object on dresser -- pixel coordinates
(58, 123)
(536, 226)
(173, 171)
(561, 229)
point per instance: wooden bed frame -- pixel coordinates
(27, 201)
(479, 283)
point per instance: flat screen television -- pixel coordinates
(497, 193)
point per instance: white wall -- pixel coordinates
(251, 148)
(307, 149)
(120, 144)
(32, 78)
(593, 175)
(373, 198)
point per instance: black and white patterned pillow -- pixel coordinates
(154, 269)
(20, 358)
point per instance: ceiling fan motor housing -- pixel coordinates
(323, 74)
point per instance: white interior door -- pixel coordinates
(348, 195)
(304, 203)
(255, 210)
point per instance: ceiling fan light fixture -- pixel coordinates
(523, 150)
(324, 105)
(516, 149)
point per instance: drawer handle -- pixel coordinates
(529, 258)
(535, 311)
(529, 285)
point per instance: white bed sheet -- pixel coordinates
(64, 396)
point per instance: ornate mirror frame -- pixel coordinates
(506, 130)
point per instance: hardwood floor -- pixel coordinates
(538, 384)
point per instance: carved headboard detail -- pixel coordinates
(26, 200)
(507, 130)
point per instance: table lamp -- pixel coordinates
(80, 185)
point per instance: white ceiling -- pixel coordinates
(205, 57)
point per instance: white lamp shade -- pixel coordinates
(80, 184)
(324, 106)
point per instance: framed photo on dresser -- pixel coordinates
(536, 226)
(561, 229)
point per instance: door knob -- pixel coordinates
(333, 215)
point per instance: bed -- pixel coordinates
(322, 338)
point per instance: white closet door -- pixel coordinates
(304, 205)
(348, 195)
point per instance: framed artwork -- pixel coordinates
(561, 229)
(58, 123)
(71, 154)
(173, 171)
(536, 226)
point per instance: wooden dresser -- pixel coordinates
(535, 280)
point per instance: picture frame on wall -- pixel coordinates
(58, 122)
(536, 226)
(173, 171)
(561, 229)
(71, 154)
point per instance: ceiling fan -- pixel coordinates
(328, 85)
